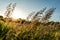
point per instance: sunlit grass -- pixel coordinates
(25, 30)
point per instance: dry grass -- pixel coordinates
(25, 30)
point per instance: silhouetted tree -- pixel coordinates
(1, 17)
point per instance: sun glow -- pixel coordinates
(18, 14)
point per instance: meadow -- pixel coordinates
(38, 28)
(21, 29)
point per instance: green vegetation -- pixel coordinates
(25, 30)
(39, 28)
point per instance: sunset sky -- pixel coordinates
(25, 7)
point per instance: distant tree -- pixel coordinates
(1, 17)
(10, 9)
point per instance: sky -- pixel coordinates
(25, 7)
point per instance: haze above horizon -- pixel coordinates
(25, 7)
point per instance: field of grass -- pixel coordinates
(25, 30)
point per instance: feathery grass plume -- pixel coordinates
(48, 15)
(13, 6)
(30, 15)
(38, 14)
(10, 9)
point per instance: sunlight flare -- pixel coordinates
(18, 14)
